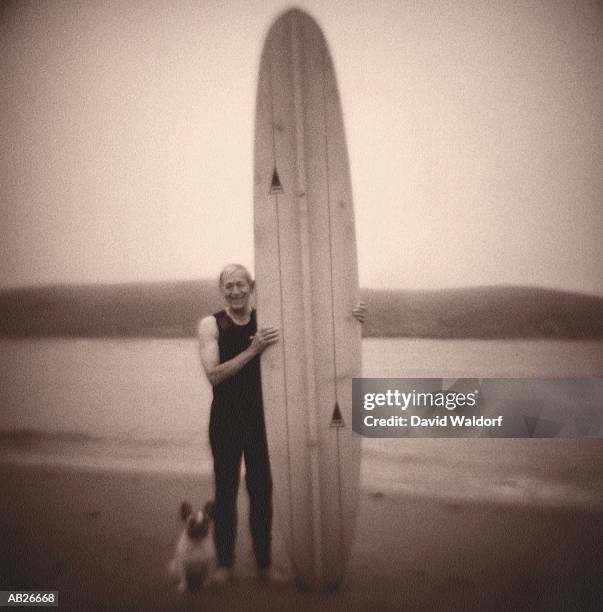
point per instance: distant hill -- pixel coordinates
(173, 309)
(132, 309)
(485, 312)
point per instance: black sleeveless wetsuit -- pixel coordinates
(236, 428)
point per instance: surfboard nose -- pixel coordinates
(294, 13)
(297, 20)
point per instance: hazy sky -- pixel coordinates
(475, 133)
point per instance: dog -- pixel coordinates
(194, 558)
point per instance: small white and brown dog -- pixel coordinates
(194, 558)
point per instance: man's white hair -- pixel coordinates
(230, 268)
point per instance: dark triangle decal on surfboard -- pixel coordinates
(275, 186)
(337, 419)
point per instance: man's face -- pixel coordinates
(236, 290)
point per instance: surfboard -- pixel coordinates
(307, 286)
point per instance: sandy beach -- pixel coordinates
(103, 539)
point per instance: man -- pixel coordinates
(230, 348)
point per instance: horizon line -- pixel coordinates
(126, 283)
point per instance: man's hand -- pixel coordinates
(263, 339)
(359, 312)
(210, 353)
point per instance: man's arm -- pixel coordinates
(217, 372)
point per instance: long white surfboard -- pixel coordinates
(307, 286)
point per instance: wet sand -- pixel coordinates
(103, 539)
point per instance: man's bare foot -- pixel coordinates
(220, 575)
(272, 574)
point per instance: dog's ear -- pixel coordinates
(185, 510)
(209, 509)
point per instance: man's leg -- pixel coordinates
(226, 449)
(259, 486)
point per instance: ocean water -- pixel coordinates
(143, 404)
